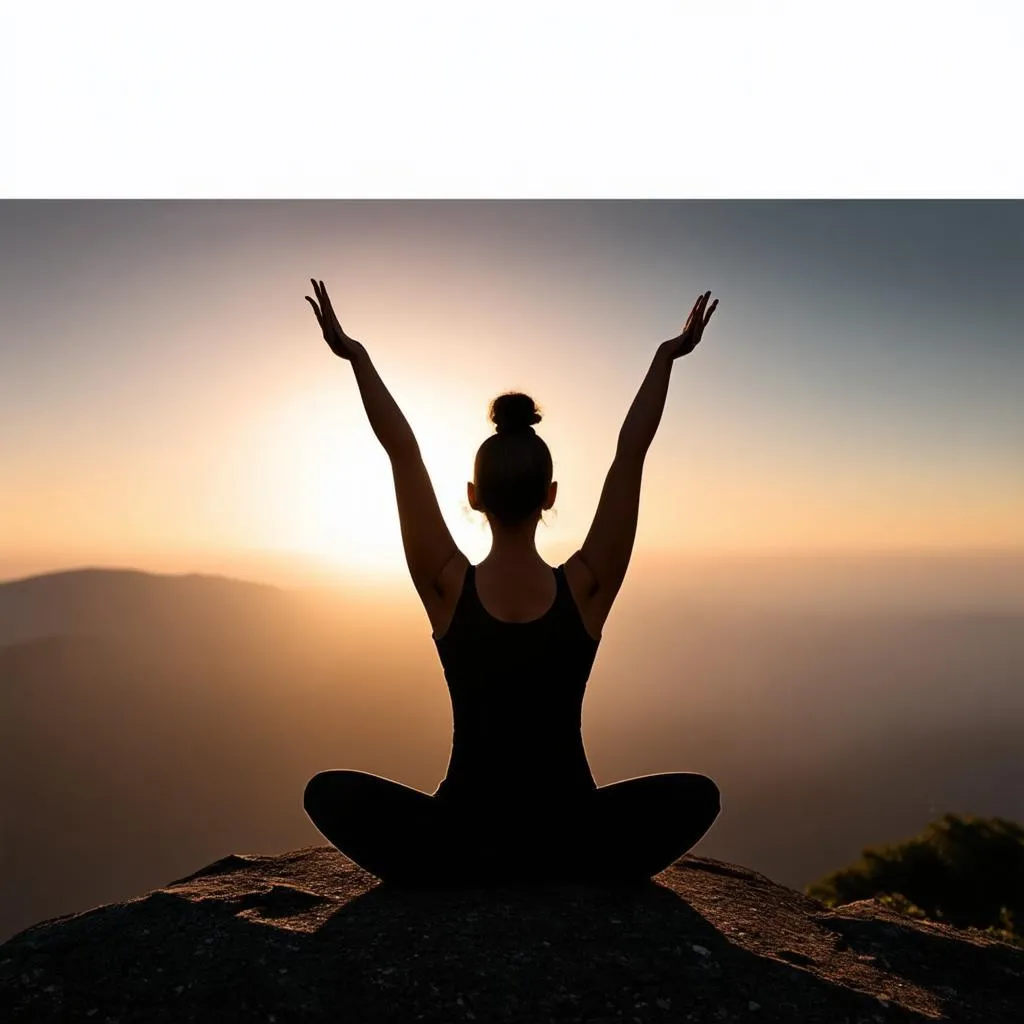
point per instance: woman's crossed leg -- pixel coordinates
(622, 833)
(634, 829)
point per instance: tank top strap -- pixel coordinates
(562, 593)
(468, 597)
(468, 604)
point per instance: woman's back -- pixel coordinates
(517, 690)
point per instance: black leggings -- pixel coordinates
(618, 834)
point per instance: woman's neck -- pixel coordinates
(514, 546)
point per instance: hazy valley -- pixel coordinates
(152, 724)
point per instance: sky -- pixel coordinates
(168, 399)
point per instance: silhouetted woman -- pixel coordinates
(517, 640)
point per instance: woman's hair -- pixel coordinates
(513, 468)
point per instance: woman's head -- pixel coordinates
(512, 471)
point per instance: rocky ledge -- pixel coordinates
(308, 936)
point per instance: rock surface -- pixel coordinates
(308, 936)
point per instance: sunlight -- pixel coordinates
(326, 487)
(346, 508)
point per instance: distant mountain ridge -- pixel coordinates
(149, 721)
(122, 601)
(156, 711)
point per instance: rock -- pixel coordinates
(307, 936)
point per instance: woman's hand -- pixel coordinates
(341, 344)
(698, 319)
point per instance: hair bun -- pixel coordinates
(514, 411)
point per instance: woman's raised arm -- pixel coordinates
(426, 539)
(608, 546)
(386, 419)
(641, 423)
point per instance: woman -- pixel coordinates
(517, 640)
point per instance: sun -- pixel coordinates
(327, 489)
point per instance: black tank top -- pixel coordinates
(517, 695)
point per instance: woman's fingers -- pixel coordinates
(340, 344)
(702, 305)
(319, 318)
(326, 311)
(318, 290)
(696, 314)
(703, 317)
(691, 334)
(693, 316)
(325, 301)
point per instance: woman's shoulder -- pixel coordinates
(453, 573)
(441, 600)
(583, 588)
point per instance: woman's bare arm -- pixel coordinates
(425, 536)
(609, 542)
(386, 419)
(644, 416)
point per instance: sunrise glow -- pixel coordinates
(188, 404)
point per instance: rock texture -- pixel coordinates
(308, 936)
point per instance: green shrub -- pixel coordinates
(962, 870)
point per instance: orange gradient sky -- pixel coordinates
(168, 400)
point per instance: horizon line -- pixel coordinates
(332, 574)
